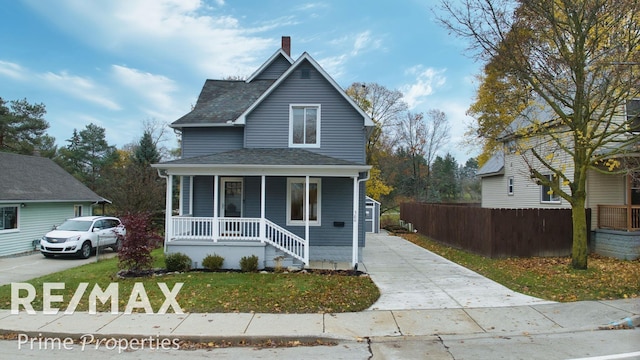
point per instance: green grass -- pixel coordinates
(217, 291)
(550, 278)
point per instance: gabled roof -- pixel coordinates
(222, 101)
(494, 166)
(36, 179)
(270, 61)
(305, 57)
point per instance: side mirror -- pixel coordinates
(95, 229)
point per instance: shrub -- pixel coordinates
(177, 262)
(213, 262)
(137, 244)
(249, 263)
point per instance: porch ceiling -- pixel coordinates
(258, 161)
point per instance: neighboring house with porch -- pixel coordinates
(35, 195)
(272, 166)
(614, 199)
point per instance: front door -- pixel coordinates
(231, 199)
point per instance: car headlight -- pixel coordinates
(73, 238)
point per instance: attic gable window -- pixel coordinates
(304, 125)
(633, 115)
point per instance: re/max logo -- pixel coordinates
(138, 298)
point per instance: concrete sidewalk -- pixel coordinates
(499, 321)
(422, 294)
(410, 277)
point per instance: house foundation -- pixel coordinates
(623, 245)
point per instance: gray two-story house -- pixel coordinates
(272, 166)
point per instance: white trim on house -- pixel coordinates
(268, 170)
(268, 63)
(302, 180)
(318, 108)
(17, 219)
(241, 120)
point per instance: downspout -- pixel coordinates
(356, 217)
(168, 212)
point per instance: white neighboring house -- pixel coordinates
(614, 199)
(35, 195)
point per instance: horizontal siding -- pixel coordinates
(273, 71)
(526, 193)
(337, 198)
(35, 220)
(342, 131)
(604, 190)
(210, 140)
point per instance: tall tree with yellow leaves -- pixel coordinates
(581, 60)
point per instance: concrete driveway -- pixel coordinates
(26, 267)
(412, 278)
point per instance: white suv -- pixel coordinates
(81, 236)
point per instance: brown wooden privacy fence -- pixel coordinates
(494, 232)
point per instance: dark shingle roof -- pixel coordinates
(268, 157)
(34, 178)
(221, 101)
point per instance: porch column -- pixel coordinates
(168, 217)
(629, 202)
(216, 206)
(306, 217)
(263, 224)
(356, 202)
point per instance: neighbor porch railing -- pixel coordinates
(619, 217)
(237, 229)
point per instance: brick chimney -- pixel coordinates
(286, 45)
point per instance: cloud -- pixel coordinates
(350, 47)
(12, 70)
(156, 89)
(188, 33)
(426, 81)
(79, 87)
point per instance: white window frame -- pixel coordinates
(17, 228)
(553, 198)
(510, 185)
(300, 180)
(318, 127)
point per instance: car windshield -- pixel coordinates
(75, 225)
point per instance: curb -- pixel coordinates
(630, 322)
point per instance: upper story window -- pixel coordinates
(304, 125)
(633, 114)
(8, 218)
(510, 185)
(546, 194)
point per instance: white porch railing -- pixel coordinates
(237, 229)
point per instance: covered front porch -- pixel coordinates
(295, 213)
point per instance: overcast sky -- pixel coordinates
(117, 63)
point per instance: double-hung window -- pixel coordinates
(510, 185)
(304, 125)
(8, 218)
(546, 194)
(633, 115)
(296, 204)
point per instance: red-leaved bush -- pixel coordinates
(140, 240)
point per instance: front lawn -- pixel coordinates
(216, 292)
(550, 278)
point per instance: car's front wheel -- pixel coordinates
(85, 250)
(118, 245)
